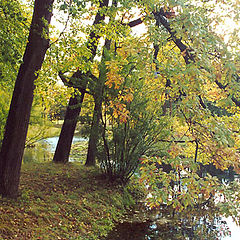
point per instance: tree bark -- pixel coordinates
(20, 108)
(66, 136)
(63, 148)
(67, 132)
(94, 133)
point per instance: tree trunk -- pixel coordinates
(95, 127)
(20, 108)
(67, 132)
(94, 133)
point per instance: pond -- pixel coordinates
(44, 149)
(204, 224)
(200, 223)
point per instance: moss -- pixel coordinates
(63, 202)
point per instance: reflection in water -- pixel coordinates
(44, 150)
(201, 223)
(180, 226)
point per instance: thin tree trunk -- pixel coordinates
(20, 108)
(94, 133)
(98, 98)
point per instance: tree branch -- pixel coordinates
(74, 80)
(187, 53)
(135, 22)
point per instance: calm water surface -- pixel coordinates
(44, 150)
(170, 229)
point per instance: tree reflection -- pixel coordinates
(198, 223)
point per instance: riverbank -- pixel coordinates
(63, 202)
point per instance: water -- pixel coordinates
(44, 150)
(164, 226)
(203, 223)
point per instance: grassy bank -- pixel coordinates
(62, 202)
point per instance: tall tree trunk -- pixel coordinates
(97, 113)
(98, 99)
(67, 132)
(20, 108)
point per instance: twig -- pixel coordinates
(65, 26)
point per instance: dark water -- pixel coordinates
(44, 150)
(203, 223)
(178, 227)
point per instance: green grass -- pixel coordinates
(62, 202)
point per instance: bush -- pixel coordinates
(124, 143)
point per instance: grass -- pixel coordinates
(62, 202)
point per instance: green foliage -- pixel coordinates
(14, 22)
(123, 144)
(133, 193)
(79, 151)
(161, 117)
(40, 126)
(181, 187)
(156, 117)
(3, 112)
(129, 128)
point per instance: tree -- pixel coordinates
(97, 130)
(19, 113)
(70, 120)
(129, 128)
(74, 108)
(184, 82)
(98, 92)
(188, 77)
(89, 51)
